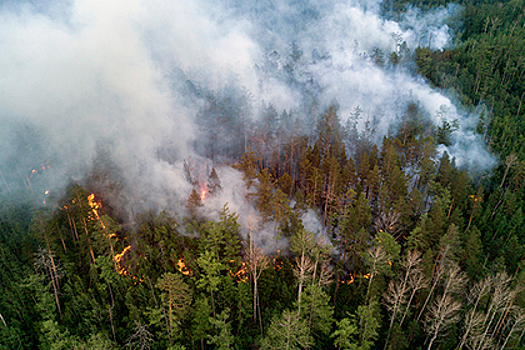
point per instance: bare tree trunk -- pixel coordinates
(509, 162)
(438, 272)
(500, 295)
(111, 321)
(301, 280)
(53, 269)
(88, 240)
(481, 288)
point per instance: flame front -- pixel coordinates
(95, 206)
(241, 274)
(118, 259)
(183, 268)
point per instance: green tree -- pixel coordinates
(354, 226)
(201, 326)
(223, 338)
(346, 333)
(287, 332)
(209, 278)
(176, 299)
(359, 330)
(222, 238)
(316, 309)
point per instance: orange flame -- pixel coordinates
(95, 206)
(118, 259)
(183, 268)
(203, 195)
(349, 281)
(241, 274)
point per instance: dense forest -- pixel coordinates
(374, 241)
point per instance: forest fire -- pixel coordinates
(35, 171)
(183, 268)
(119, 260)
(95, 207)
(45, 193)
(241, 274)
(349, 281)
(278, 265)
(123, 261)
(380, 145)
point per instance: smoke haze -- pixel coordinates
(129, 78)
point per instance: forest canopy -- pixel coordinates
(320, 225)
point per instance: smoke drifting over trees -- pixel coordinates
(262, 174)
(154, 83)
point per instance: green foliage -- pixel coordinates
(345, 334)
(389, 245)
(209, 265)
(359, 330)
(223, 338)
(201, 325)
(316, 309)
(222, 239)
(79, 276)
(287, 332)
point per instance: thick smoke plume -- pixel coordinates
(86, 83)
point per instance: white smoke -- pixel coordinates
(87, 72)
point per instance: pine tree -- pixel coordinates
(213, 183)
(210, 278)
(287, 332)
(359, 330)
(193, 204)
(176, 297)
(223, 338)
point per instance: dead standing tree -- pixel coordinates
(256, 262)
(444, 311)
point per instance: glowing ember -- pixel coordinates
(203, 195)
(183, 268)
(349, 281)
(95, 206)
(119, 260)
(369, 275)
(278, 265)
(241, 274)
(46, 192)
